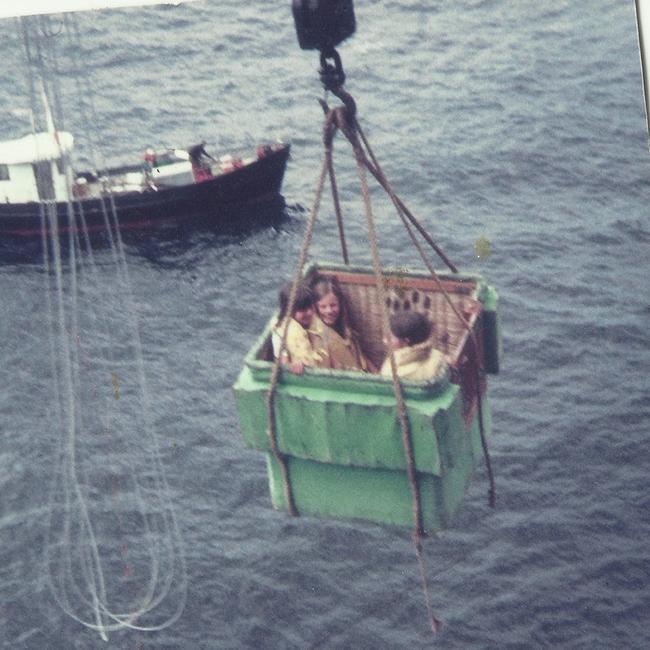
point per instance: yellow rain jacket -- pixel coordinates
(421, 362)
(299, 345)
(334, 350)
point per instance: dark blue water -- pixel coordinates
(519, 122)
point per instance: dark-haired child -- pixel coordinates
(415, 356)
(298, 351)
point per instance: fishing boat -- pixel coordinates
(338, 430)
(179, 186)
(169, 187)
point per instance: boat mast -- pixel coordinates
(52, 174)
(49, 120)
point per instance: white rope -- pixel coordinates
(89, 345)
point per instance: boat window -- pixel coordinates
(4, 173)
(59, 165)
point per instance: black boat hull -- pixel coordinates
(211, 202)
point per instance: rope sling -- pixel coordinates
(343, 118)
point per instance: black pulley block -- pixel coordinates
(323, 24)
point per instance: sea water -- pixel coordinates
(516, 122)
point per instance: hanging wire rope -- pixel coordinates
(113, 554)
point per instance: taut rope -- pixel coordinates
(344, 118)
(275, 372)
(404, 214)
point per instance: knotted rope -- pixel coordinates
(343, 118)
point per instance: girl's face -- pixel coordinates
(329, 309)
(304, 316)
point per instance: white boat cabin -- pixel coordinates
(32, 167)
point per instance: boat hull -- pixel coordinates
(215, 201)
